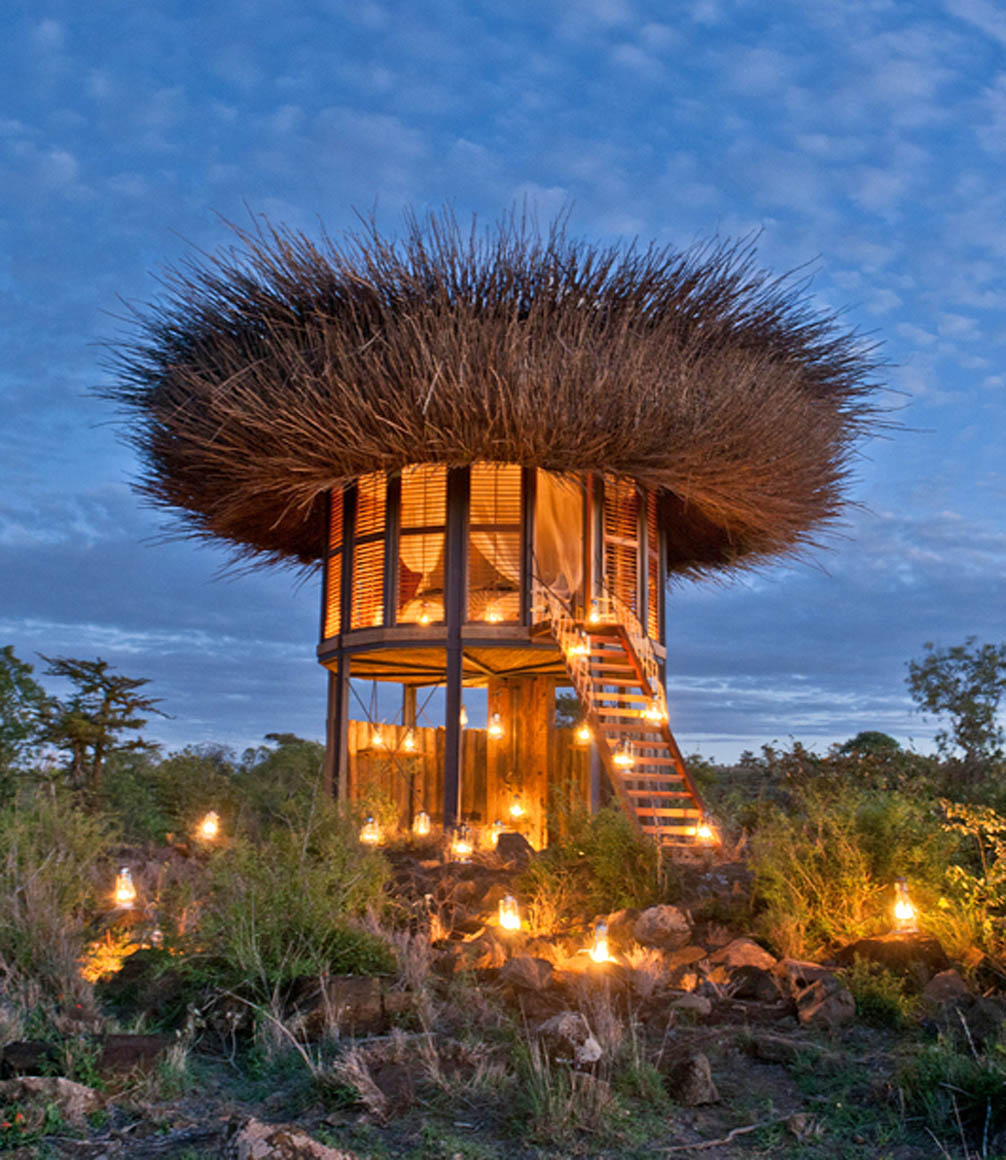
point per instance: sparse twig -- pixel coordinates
(727, 1138)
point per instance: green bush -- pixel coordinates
(882, 997)
(286, 907)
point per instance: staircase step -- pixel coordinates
(620, 711)
(658, 793)
(665, 812)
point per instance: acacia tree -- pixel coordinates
(22, 708)
(88, 726)
(963, 685)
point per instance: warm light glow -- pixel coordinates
(409, 741)
(583, 735)
(595, 613)
(370, 832)
(461, 844)
(424, 613)
(377, 738)
(495, 728)
(580, 646)
(493, 615)
(654, 711)
(463, 717)
(599, 951)
(706, 832)
(509, 913)
(421, 824)
(905, 913)
(209, 827)
(125, 891)
(497, 829)
(516, 807)
(622, 756)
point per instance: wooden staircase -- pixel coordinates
(613, 668)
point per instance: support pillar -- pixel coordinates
(337, 731)
(455, 583)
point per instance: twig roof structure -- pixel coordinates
(281, 368)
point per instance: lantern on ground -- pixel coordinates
(509, 913)
(705, 832)
(516, 807)
(461, 844)
(497, 829)
(125, 891)
(209, 827)
(493, 615)
(424, 613)
(582, 735)
(905, 914)
(463, 717)
(421, 824)
(409, 744)
(377, 737)
(579, 646)
(370, 833)
(599, 948)
(654, 711)
(623, 757)
(495, 727)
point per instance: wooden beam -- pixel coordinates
(455, 593)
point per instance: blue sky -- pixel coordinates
(865, 140)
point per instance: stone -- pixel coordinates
(690, 1082)
(796, 975)
(255, 1140)
(120, 1053)
(771, 1047)
(353, 1004)
(742, 952)
(825, 1004)
(913, 955)
(974, 1021)
(514, 849)
(692, 1003)
(684, 957)
(28, 1057)
(753, 983)
(526, 973)
(663, 926)
(567, 1038)
(944, 988)
(35, 1094)
(152, 982)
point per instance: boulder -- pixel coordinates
(944, 988)
(796, 975)
(351, 1004)
(567, 1038)
(742, 952)
(825, 1004)
(525, 972)
(684, 957)
(694, 1004)
(915, 956)
(35, 1095)
(514, 849)
(663, 926)
(28, 1057)
(255, 1140)
(690, 1081)
(753, 983)
(121, 1053)
(974, 1021)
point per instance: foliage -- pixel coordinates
(279, 785)
(568, 711)
(89, 725)
(882, 997)
(977, 880)
(22, 704)
(273, 919)
(964, 685)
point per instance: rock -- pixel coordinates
(36, 1094)
(127, 1052)
(526, 973)
(754, 983)
(150, 981)
(514, 849)
(772, 1047)
(690, 1082)
(28, 1057)
(662, 926)
(352, 1004)
(694, 1004)
(944, 988)
(568, 1039)
(795, 975)
(916, 956)
(976, 1020)
(255, 1140)
(742, 952)
(684, 957)
(825, 1004)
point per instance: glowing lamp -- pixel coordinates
(370, 833)
(377, 738)
(424, 613)
(495, 727)
(516, 807)
(595, 613)
(463, 717)
(125, 891)
(654, 711)
(409, 741)
(209, 827)
(421, 824)
(493, 615)
(583, 735)
(509, 913)
(579, 647)
(905, 913)
(622, 757)
(705, 832)
(497, 829)
(599, 949)
(461, 844)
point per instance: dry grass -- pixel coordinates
(280, 368)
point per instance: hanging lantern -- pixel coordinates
(463, 717)
(705, 831)
(580, 646)
(599, 949)
(497, 829)
(582, 734)
(409, 741)
(209, 827)
(623, 757)
(125, 891)
(509, 913)
(421, 824)
(377, 737)
(495, 727)
(905, 914)
(595, 612)
(493, 614)
(461, 844)
(654, 711)
(516, 807)
(370, 833)
(424, 613)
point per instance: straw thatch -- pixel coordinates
(281, 368)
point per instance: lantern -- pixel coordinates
(493, 615)
(497, 829)
(516, 807)
(421, 824)
(461, 844)
(622, 757)
(370, 833)
(125, 891)
(595, 613)
(424, 613)
(495, 728)
(905, 913)
(409, 741)
(705, 831)
(377, 737)
(463, 717)
(599, 949)
(209, 827)
(654, 711)
(579, 647)
(509, 913)
(583, 735)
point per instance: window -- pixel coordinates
(421, 544)
(368, 551)
(653, 591)
(333, 585)
(494, 542)
(621, 540)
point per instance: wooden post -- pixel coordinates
(455, 585)
(337, 730)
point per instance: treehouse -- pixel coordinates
(499, 449)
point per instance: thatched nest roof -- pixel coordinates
(281, 368)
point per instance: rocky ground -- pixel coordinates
(693, 1041)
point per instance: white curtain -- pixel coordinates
(558, 533)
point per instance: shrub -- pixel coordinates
(882, 997)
